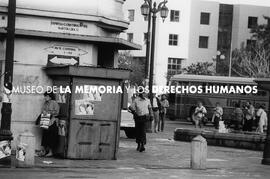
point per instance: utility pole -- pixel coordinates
(5, 133)
(147, 58)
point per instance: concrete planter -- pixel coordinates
(243, 140)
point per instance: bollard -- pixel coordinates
(198, 152)
(25, 152)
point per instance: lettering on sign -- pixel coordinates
(65, 50)
(62, 60)
(70, 27)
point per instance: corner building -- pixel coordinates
(83, 32)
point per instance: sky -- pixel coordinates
(250, 2)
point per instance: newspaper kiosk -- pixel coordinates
(90, 121)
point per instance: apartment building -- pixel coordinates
(194, 31)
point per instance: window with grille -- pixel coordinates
(173, 39)
(205, 18)
(131, 14)
(174, 65)
(252, 22)
(251, 43)
(175, 16)
(203, 42)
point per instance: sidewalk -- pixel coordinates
(164, 158)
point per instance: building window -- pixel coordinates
(251, 43)
(145, 36)
(252, 22)
(174, 65)
(203, 42)
(131, 14)
(205, 18)
(175, 16)
(173, 39)
(130, 37)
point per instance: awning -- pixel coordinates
(86, 71)
(116, 43)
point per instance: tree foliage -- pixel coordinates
(200, 68)
(254, 60)
(136, 65)
(262, 33)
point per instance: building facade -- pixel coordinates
(60, 31)
(194, 31)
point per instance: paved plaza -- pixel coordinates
(164, 158)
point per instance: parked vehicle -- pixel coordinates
(127, 124)
(181, 105)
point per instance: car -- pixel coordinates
(127, 124)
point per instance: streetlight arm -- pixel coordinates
(160, 5)
(155, 10)
(149, 2)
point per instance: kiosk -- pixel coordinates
(89, 121)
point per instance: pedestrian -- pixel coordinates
(217, 116)
(142, 111)
(249, 117)
(50, 135)
(164, 104)
(262, 125)
(237, 116)
(199, 114)
(156, 106)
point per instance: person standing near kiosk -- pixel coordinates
(142, 110)
(50, 135)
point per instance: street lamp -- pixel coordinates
(222, 57)
(217, 57)
(147, 8)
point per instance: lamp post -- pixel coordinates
(147, 59)
(5, 133)
(148, 8)
(264, 83)
(218, 57)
